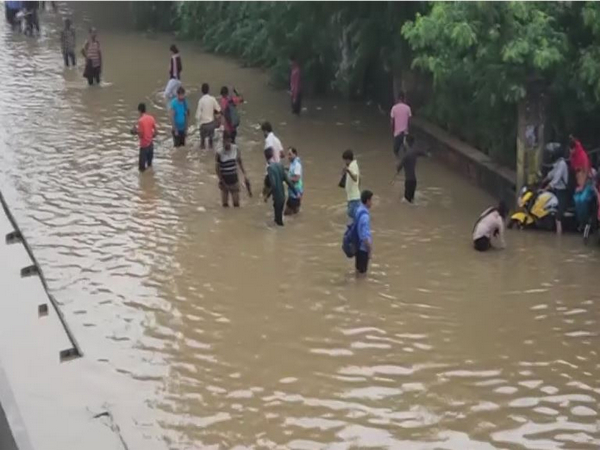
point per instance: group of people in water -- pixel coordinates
(220, 118)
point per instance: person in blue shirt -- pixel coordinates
(363, 216)
(295, 174)
(180, 114)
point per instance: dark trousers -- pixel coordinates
(32, 21)
(233, 135)
(278, 209)
(179, 138)
(92, 73)
(398, 144)
(362, 261)
(297, 104)
(69, 57)
(410, 186)
(146, 155)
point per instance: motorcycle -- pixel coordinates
(537, 210)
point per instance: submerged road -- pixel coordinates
(208, 328)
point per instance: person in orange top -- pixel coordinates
(579, 159)
(146, 130)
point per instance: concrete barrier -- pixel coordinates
(473, 164)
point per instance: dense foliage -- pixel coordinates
(477, 59)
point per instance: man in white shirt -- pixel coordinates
(351, 179)
(272, 141)
(490, 224)
(206, 117)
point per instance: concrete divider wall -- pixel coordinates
(473, 164)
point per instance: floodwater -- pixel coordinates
(210, 328)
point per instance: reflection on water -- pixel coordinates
(234, 333)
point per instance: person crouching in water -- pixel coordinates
(490, 224)
(228, 159)
(276, 176)
(295, 174)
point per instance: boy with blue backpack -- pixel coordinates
(358, 240)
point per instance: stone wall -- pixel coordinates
(473, 164)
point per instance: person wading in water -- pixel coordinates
(295, 174)
(228, 159)
(67, 43)
(295, 86)
(276, 176)
(176, 65)
(93, 58)
(146, 130)
(206, 116)
(400, 117)
(180, 114)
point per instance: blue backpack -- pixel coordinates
(351, 241)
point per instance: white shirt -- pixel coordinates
(353, 187)
(207, 105)
(273, 141)
(171, 89)
(488, 226)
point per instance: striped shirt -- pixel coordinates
(92, 52)
(227, 160)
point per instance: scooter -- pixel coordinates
(537, 210)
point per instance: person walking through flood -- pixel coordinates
(489, 225)
(351, 182)
(67, 43)
(175, 66)
(409, 164)
(32, 19)
(11, 10)
(295, 175)
(93, 58)
(146, 130)
(180, 114)
(206, 117)
(295, 86)
(276, 176)
(365, 237)
(230, 118)
(228, 159)
(400, 117)
(272, 141)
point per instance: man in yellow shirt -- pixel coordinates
(351, 174)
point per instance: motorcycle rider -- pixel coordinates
(557, 181)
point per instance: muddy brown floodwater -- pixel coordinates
(213, 329)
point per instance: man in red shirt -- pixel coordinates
(229, 114)
(146, 130)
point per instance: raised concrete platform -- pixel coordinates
(45, 402)
(475, 165)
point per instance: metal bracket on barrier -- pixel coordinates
(14, 237)
(30, 271)
(43, 310)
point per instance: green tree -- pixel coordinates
(502, 54)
